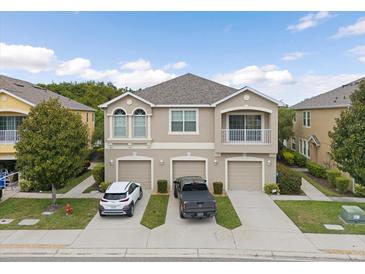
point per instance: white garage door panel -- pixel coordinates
(188, 168)
(244, 175)
(138, 171)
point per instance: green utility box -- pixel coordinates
(353, 214)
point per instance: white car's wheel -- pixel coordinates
(131, 211)
(140, 193)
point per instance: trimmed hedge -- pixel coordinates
(28, 186)
(103, 186)
(288, 157)
(360, 190)
(289, 181)
(299, 159)
(98, 173)
(218, 188)
(271, 189)
(316, 170)
(342, 184)
(332, 174)
(162, 186)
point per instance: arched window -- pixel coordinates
(139, 123)
(120, 125)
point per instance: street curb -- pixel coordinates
(192, 253)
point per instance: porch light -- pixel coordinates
(215, 162)
(162, 162)
(111, 161)
(269, 162)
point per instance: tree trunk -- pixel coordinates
(53, 195)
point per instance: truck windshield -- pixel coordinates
(194, 187)
(114, 196)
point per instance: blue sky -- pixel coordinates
(288, 55)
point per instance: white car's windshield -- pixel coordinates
(114, 196)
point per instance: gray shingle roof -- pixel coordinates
(338, 97)
(35, 94)
(187, 89)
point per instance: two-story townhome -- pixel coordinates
(16, 99)
(191, 126)
(315, 117)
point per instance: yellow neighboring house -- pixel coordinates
(315, 117)
(16, 99)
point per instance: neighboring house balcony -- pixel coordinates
(9, 136)
(8, 129)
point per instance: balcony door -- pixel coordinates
(244, 127)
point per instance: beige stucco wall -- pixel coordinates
(216, 172)
(322, 121)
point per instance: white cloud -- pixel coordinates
(177, 65)
(139, 64)
(357, 28)
(269, 74)
(73, 67)
(293, 56)
(29, 58)
(359, 52)
(309, 21)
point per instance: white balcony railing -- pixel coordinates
(246, 136)
(9, 136)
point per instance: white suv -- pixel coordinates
(120, 199)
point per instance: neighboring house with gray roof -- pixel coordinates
(17, 97)
(315, 117)
(192, 126)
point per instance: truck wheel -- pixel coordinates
(175, 192)
(181, 214)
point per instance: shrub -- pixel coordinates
(316, 170)
(289, 181)
(103, 186)
(28, 186)
(98, 173)
(342, 184)
(162, 186)
(288, 157)
(299, 159)
(360, 190)
(272, 189)
(332, 174)
(218, 188)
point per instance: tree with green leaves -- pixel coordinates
(348, 137)
(52, 146)
(89, 93)
(286, 131)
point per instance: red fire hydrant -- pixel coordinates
(68, 209)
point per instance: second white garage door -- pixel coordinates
(188, 168)
(244, 175)
(138, 171)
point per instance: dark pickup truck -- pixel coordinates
(195, 198)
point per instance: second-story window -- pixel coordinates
(306, 119)
(120, 125)
(183, 121)
(139, 123)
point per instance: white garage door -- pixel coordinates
(188, 168)
(138, 171)
(244, 175)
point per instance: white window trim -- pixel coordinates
(305, 118)
(184, 132)
(301, 147)
(146, 122)
(293, 141)
(246, 113)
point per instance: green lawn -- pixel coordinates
(226, 215)
(155, 213)
(310, 216)
(74, 182)
(19, 209)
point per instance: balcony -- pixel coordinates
(9, 136)
(246, 136)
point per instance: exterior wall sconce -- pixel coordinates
(162, 162)
(269, 162)
(111, 162)
(215, 162)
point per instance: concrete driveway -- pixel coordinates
(189, 233)
(116, 231)
(264, 225)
